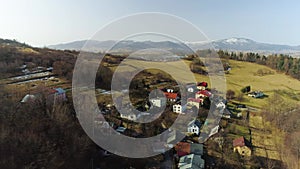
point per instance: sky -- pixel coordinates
(48, 22)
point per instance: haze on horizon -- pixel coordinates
(43, 23)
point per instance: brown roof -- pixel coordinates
(240, 142)
(183, 147)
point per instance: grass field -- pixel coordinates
(244, 74)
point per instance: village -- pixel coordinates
(193, 151)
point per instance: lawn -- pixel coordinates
(243, 74)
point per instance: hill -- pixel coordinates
(245, 73)
(230, 44)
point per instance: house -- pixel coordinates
(191, 161)
(202, 85)
(184, 148)
(172, 97)
(203, 94)
(221, 105)
(177, 108)
(256, 94)
(226, 114)
(60, 94)
(129, 115)
(195, 102)
(191, 87)
(55, 95)
(28, 98)
(52, 95)
(242, 146)
(194, 127)
(241, 107)
(158, 102)
(121, 129)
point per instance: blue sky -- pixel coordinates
(47, 22)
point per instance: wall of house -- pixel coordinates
(177, 108)
(244, 151)
(191, 103)
(193, 129)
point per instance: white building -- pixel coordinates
(221, 105)
(158, 102)
(194, 127)
(177, 108)
(129, 116)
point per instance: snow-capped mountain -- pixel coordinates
(244, 44)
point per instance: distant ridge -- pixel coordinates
(230, 44)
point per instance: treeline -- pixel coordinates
(14, 56)
(280, 62)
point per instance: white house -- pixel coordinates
(158, 102)
(129, 116)
(194, 127)
(256, 94)
(221, 105)
(191, 87)
(177, 108)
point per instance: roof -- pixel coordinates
(27, 98)
(121, 129)
(195, 100)
(202, 84)
(240, 142)
(205, 93)
(170, 95)
(184, 148)
(191, 160)
(197, 149)
(195, 122)
(190, 166)
(60, 90)
(193, 85)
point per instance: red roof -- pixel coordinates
(195, 100)
(170, 95)
(202, 84)
(205, 93)
(183, 148)
(239, 142)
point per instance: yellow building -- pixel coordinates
(242, 146)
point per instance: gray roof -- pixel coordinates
(197, 149)
(191, 161)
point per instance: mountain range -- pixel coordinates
(230, 44)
